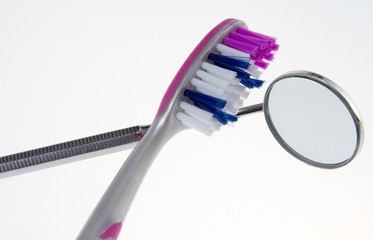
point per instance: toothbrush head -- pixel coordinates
(213, 82)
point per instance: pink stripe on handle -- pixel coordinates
(187, 63)
(112, 232)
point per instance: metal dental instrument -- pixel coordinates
(83, 148)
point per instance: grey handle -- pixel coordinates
(113, 207)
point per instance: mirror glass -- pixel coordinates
(313, 119)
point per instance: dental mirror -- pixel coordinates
(313, 119)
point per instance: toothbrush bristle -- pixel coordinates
(221, 83)
(203, 98)
(242, 46)
(228, 60)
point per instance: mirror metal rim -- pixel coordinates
(333, 87)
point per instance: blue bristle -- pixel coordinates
(241, 74)
(252, 83)
(218, 114)
(200, 97)
(245, 77)
(247, 83)
(228, 61)
(257, 83)
(212, 105)
(231, 118)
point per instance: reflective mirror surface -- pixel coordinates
(313, 119)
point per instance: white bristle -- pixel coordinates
(255, 71)
(210, 93)
(214, 80)
(234, 82)
(201, 115)
(241, 90)
(242, 93)
(229, 94)
(233, 102)
(194, 123)
(233, 106)
(228, 51)
(237, 81)
(218, 71)
(205, 91)
(213, 90)
(230, 108)
(234, 97)
(232, 94)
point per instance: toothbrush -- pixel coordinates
(205, 94)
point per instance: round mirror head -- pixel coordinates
(313, 119)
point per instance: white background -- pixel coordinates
(70, 69)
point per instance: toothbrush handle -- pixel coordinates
(106, 220)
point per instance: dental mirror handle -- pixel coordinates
(250, 109)
(71, 151)
(83, 148)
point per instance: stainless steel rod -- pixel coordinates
(250, 109)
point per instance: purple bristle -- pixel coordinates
(269, 56)
(244, 47)
(275, 47)
(258, 58)
(247, 32)
(262, 44)
(263, 65)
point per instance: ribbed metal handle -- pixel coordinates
(72, 148)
